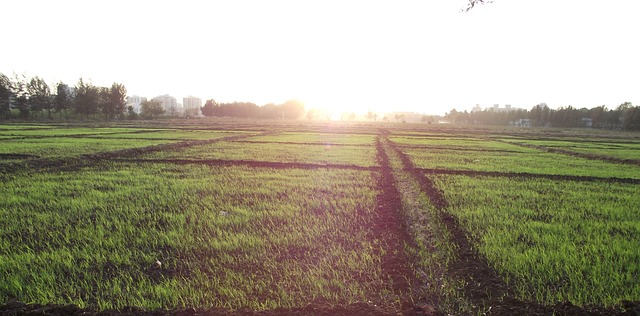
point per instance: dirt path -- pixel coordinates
(483, 286)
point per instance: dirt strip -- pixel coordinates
(253, 163)
(580, 155)
(315, 308)
(483, 286)
(473, 173)
(391, 229)
(483, 283)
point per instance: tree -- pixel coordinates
(5, 96)
(311, 113)
(40, 95)
(151, 107)
(21, 96)
(131, 113)
(597, 115)
(87, 99)
(292, 109)
(209, 108)
(371, 116)
(117, 100)
(62, 99)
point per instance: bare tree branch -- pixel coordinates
(473, 3)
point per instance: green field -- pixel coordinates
(555, 240)
(275, 152)
(271, 216)
(622, 150)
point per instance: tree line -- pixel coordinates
(625, 117)
(25, 98)
(291, 109)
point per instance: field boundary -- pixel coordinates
(474, 173)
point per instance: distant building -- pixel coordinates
(587, 122)
(169, 103)
(134, 101)
(476, 108)
(522, 123)
(191, 105)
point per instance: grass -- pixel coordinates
(531, 162)
(457, 143)
(261, 238)
(604, 148)
(292, 153)
(70, 131)
(174, 135)
(319, 138)
(60, 147)
(554, 241)
(5, 127)
(227, 237)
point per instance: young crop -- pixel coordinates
(229, 237)
(182, 134)
(553, 241)
(515, 162)
(319, 138)
(59, 147)
(57, 132)
(291, 153)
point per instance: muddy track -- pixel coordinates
(635, 162)
(253, 163)
(17, 156)
(390, 227)
(482, 282)
(315, 308)
(484, 287)
(473, 173)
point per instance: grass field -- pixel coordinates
(372, 219)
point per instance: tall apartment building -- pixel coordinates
(169, 103)
(134, 101)
(191, 105)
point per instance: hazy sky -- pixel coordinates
(422, 56)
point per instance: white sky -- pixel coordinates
(421, 56)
